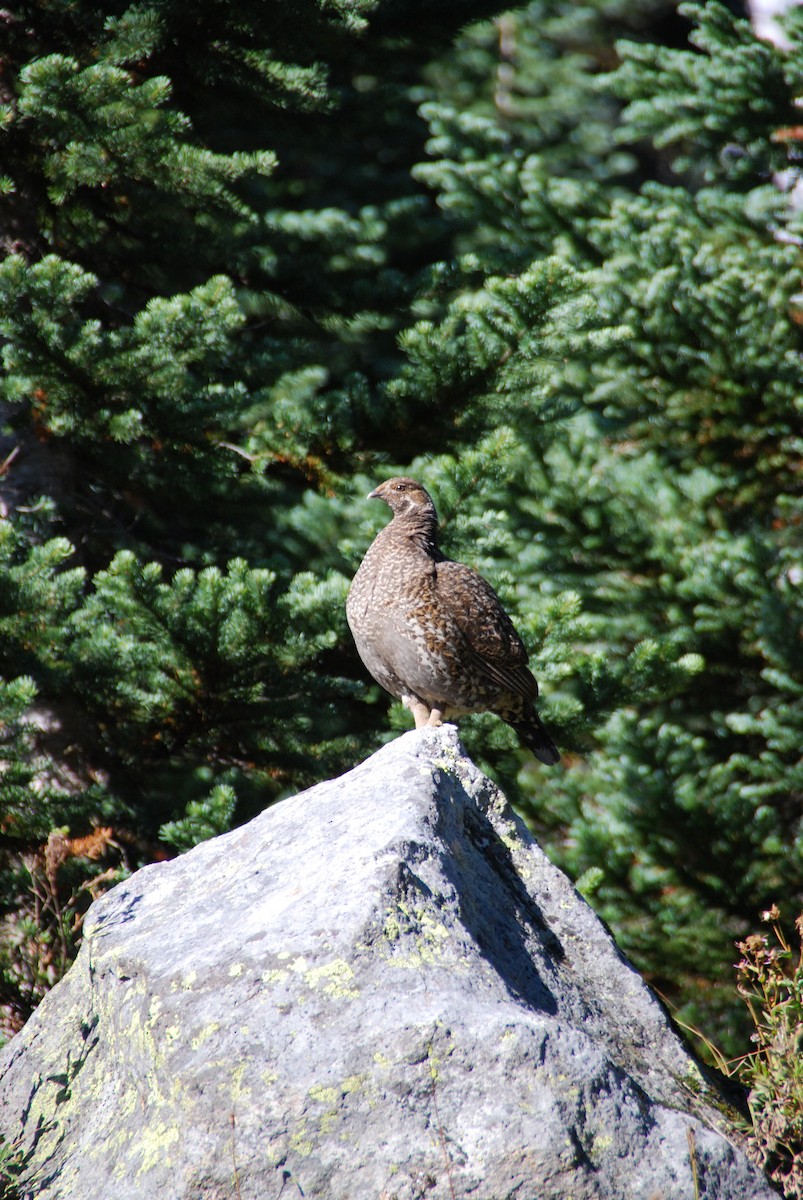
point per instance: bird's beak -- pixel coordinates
(374, 495)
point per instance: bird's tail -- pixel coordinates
(534, 736)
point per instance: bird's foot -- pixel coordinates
(435, 717)
(419, 710)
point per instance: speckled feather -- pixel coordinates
(433, 632)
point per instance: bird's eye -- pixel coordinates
(400, 487)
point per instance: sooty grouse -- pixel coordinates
(432, 632)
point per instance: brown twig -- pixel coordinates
(233, 1123)
(442, 1135)
(693, 1160)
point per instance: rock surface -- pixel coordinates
(379, 989)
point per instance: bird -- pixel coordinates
(433, 632)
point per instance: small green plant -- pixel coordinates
(771, 982)
(10, 1166)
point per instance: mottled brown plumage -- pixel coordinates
(432, 632)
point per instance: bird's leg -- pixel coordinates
(418, 708)
(436, 717)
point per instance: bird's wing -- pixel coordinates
(490, 636)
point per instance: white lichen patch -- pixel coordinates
(203, 1035)
(331, 1096)
(328, 1121)
(153, 1144)
(427, 936)
(392, 930)
(277, 975)
(601, 1143)
(301, 1143)
(240, 1093)
(275, 1152)
(334, 979)
(435, 1059)
(511, 839)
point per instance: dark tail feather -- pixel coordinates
(534, 736)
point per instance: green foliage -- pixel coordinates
(47, 880)
(497, 346)
(154, 377)
(103, 130)
(10, 1169)
(16, 698)
(203, 819)
(716, 103)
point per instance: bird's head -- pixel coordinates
(406, 498)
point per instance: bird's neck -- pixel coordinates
(419, 529)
